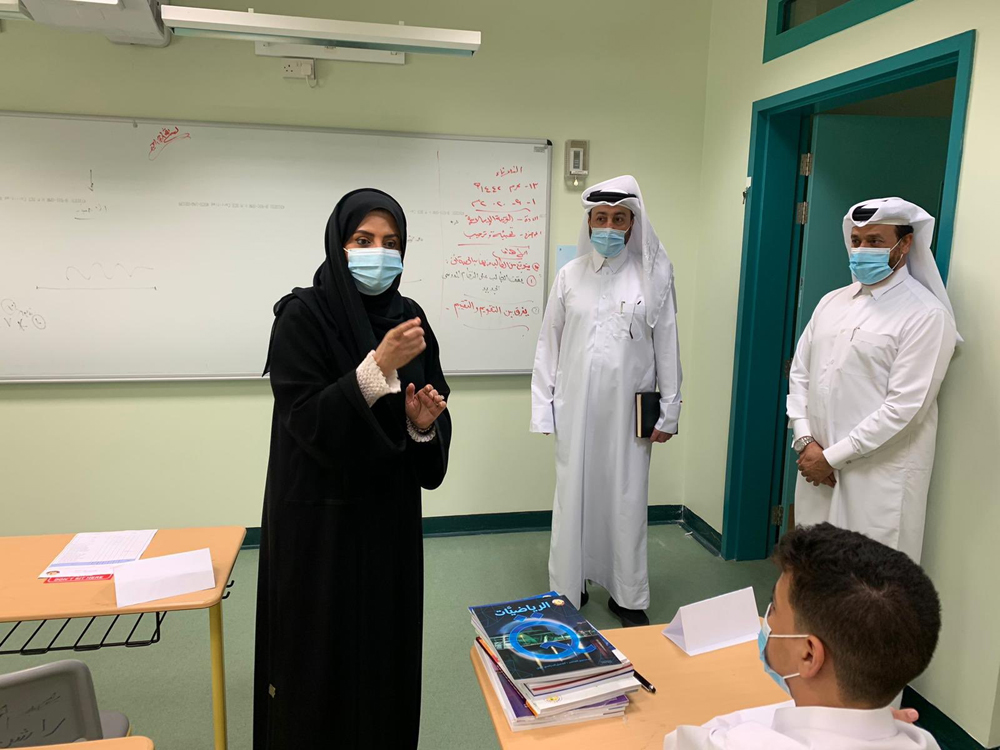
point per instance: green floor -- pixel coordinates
(166, 689)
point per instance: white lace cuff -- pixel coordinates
(373, 383)
(420, 437)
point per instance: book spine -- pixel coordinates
(503, 675)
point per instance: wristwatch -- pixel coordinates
(800, 445)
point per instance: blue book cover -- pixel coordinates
(544, 637)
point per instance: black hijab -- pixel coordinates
(360, 319)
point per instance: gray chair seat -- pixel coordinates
(114, 724)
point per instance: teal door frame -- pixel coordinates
(767, 262)
(780, 452)
(779, 41)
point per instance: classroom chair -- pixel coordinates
(54, 703)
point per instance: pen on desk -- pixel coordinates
(648, 686)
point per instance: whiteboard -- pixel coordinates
(137, 249)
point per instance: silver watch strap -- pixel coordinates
(800, 445)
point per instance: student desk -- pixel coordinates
(25, 599)
(125, 743)
(689, 690)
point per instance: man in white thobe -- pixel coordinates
(863, 388)
(850, 624)
(609, 332)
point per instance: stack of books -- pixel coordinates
(548, 665)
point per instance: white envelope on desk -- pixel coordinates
(161, 577)
(715, 623)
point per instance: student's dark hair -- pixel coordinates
(902, 230)
(875, 610)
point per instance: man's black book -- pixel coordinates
(647, 413)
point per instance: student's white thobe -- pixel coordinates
(787, 727)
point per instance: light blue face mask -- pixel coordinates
(870, 265)
(608, 242)
(762, 638)
(374, 268)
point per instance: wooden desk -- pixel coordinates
(689, 690)
(125, 743)
(25, 597)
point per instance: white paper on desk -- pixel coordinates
(97, 553)
(160, 577)
(715, 623)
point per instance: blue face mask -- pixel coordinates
(870, 265)
(608, 242)
(762, 638)
(374, 269)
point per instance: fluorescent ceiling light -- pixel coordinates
(13, 10)
(98, 2)
(262, 27)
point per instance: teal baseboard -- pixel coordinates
(532, 520)
(701, 531)
(488, 523)
(950, 736)
(252, 539)
(658, 515)
(537, 520)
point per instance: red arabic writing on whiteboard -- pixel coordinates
(504, 171)
(493, 262)
(163, 139)
(517, 203)
(490, 309)
(473, 275)
(517, 186)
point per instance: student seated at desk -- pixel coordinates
(850, 624)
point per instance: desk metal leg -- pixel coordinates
(218, 677)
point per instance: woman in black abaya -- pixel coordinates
(359, 427)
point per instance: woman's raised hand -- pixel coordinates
(400, 346)
(423, 407)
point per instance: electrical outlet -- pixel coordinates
(296, 68)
